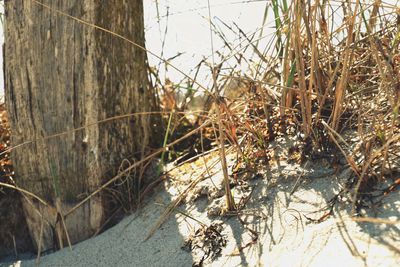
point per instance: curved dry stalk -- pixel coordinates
(23, 191)
(171, 207)
(124, 116)
(134, 165)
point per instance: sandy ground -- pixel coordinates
(271, 230)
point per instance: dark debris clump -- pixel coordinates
(207, 241)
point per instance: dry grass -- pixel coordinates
(330, 75)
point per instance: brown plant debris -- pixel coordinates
(207, 241)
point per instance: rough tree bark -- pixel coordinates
(61, 74)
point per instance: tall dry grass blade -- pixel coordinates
(278, 27)
(288, 64)
(391, 79)
(342, 83)
(299, 56)
(230, 203)
(265, 16)
(313, 81)
(327, 91)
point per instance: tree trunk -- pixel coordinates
(61, 74)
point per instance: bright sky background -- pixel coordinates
(188, 29)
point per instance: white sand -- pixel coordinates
(285, 238)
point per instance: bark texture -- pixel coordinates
(61, 74)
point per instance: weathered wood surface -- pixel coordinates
(61, 74)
